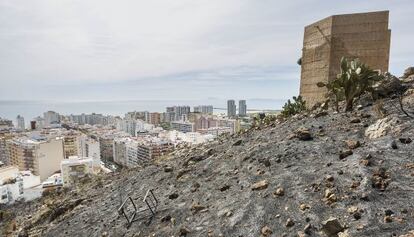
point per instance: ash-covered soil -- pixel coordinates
(284, 179)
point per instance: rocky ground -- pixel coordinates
(317, 174)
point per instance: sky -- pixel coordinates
(98, 50)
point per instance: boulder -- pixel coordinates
(332, 227)
(355, 120)
(173, 196)
(168, 169)
(304, 207)
(307, 229)
(409, 234)
(394, 145)
(194, 187)
(344, 154)
(195, 208)
(238, 142)
(409, 80)
(352, 144)
(387, 87)
(301, 234)
(330, 197)
(388, 212)
(266, 231)
(381, 127)
(224, 188)
(321, 114)
(405, 140)
(279, 192)
(329, 178)
(344, 234)
(380, 179)
(289, 223)
(408, 99)
(303, 134)
(265, 162)
(408, 72)
(260, 185)
(387, 219)
(184, 231)
(166, 218)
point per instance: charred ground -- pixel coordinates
(286, 178)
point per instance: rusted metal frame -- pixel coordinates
(151, 207)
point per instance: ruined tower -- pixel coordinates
(362, 35)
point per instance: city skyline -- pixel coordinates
(209, 48)
(32, 109)
(93, 142)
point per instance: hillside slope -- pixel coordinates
(284, 179)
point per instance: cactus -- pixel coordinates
(290, 109)
(354, 79)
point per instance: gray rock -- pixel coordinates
(408, 72)
(332, 227)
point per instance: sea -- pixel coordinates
(31, 109)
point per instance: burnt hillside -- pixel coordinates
(316, 174)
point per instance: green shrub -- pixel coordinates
(354, 79)
(269, 119)
(291, 108)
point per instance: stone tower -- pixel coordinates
(362, 35)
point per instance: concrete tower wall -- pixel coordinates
(363, 35)
(315, 59)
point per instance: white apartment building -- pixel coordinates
(90, 148)
(178, 111)
(143, 150)
(72, 143)
(143, 127)
(5, 135)
(127, 126)
(183, 126)
(41, 155)
(132, 153)
(150, 149)
(76, 168)
(167, 116)
(120, 151)
(5, 124)
(204, 109)
(135, 115)
(216, 131)
(11, 185)
(195, 137)
(40, 122)
(51, 117)
(106, 143)
(230, 123)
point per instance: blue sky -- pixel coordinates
(171, 49)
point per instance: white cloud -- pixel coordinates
(70, 42)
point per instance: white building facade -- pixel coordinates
(11, 185)
(75, 168)
(51, 117)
